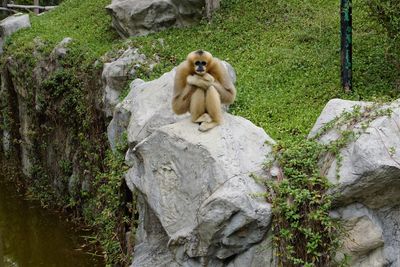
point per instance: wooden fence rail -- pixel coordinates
(31, 7)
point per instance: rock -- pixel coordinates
(146, 108)
(151, 240)
(115, 76)
(367, 188)
(61, 50)
(363, 241)
(12, 24)
(135, 18)
(198, 203)
(370, 165)
(200, 188)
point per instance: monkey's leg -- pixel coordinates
(197, 104)
(204, 118)
(213, 107)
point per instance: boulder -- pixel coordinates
(363, 241)
(367, 177)
(12, 24)
(135, 18)
(199, 203)
(115, 76)
(369, 165)
(201, 190)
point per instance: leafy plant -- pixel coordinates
(304, 233)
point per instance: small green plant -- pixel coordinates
(304, 233)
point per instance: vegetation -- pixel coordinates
(387, 13)
(286, 55)
(301, 208)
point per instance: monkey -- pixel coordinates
(201, 85)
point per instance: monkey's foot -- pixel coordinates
(204, 118)
(206, 126)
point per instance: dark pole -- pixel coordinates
(346, 52)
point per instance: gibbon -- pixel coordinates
(201, 84)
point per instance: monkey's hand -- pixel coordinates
(203, 82)
(208, 77)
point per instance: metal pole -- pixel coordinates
(346, 44)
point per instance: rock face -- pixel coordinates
(199, 187)
(138, 17)
(116, 75)
(198, 202)
(12, 24)
(368, 180)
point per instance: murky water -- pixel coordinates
(31, 236)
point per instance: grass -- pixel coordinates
(285, 53)
(86, 22)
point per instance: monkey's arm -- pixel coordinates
(202, 82)
(181, 99)
(182, 90)
(223, 82)
(226, 90)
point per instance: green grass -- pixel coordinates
(85, 21)
(285, 53)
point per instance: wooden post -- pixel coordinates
(346, 51)
(36, 3)
(211, 6)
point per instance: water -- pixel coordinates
(31, 236)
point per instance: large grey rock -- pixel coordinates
(140, 17)
(115, 76)
(367, 187)
(12, 24)
(199, 187)
(198, 204)
(364, 239)
(370, 165)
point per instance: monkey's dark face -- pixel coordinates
(200, 67)
(201, 61)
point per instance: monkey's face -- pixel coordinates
(200, 67)
(201, 61)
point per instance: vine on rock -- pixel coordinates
(304, 233)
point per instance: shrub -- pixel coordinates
(387, 13)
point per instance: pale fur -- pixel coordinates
(202, 95)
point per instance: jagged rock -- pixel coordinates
(200, 188)
(61, 50)
(135, 18)
(12, 24)
(115, 76)
(198, 202)
(370, 165)
(368, 174)
(146, 108)
(363, 241)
